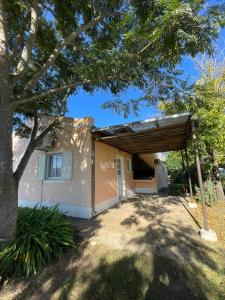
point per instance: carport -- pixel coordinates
(163, 134)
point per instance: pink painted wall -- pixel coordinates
(76, 137)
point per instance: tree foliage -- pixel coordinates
(206, 101)
(50, 49)
(60, 46)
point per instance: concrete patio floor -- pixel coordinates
(142, 223)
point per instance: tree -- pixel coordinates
(206, 101)
(50, 48)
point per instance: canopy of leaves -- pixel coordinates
(134, 43)
(206, 101)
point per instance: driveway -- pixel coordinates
(142, 223)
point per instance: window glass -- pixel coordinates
(55, 165)
(129, 167)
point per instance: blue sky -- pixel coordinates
(83, 104)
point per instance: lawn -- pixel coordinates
(216, 219)
(169, 261)
(97, 272)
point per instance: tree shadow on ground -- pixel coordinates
(129, 279)
(172, 272)
(175, 269)
(170, 266)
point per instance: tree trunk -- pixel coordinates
(8, 185)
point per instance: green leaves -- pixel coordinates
(206, 101)
(43, 234)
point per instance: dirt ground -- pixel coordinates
(140, 223)
(147, 247)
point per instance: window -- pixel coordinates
(129, 165)
(54, 166)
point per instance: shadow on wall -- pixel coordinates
(75, 138)
(170, 268)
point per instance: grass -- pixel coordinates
(216, 219)
(175, 266)
(113, 274)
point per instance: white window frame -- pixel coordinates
(47, 166)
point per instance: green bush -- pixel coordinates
(209, 192)
(42, 235)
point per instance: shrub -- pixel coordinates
(42, 235)
(209, 192)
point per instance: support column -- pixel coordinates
(198, 165)
(189, 175)
(184, 171)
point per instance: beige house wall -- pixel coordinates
(106, 189)
(74, 195)
(142, 184)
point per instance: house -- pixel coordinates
(88, 170)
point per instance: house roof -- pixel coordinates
(161, 134)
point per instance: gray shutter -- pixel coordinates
(67, 170)
(41, 167)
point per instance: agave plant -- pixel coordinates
(43, 234)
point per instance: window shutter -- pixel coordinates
(67, 169)
(41, 167)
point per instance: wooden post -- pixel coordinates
(198, 165)
(189, 175)
(184, 171)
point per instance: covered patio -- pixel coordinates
(163, 134)
(149, 136)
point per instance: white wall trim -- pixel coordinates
(106, 204)
(68, 209)
(146, 190)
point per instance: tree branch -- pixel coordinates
(59, 47)
(57, 121)
(35, 127)
(55, 91)
(32, 145)
(46, 94)
(3, 31)
(18, 40)
(26, 52)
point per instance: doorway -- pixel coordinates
(120, 176)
